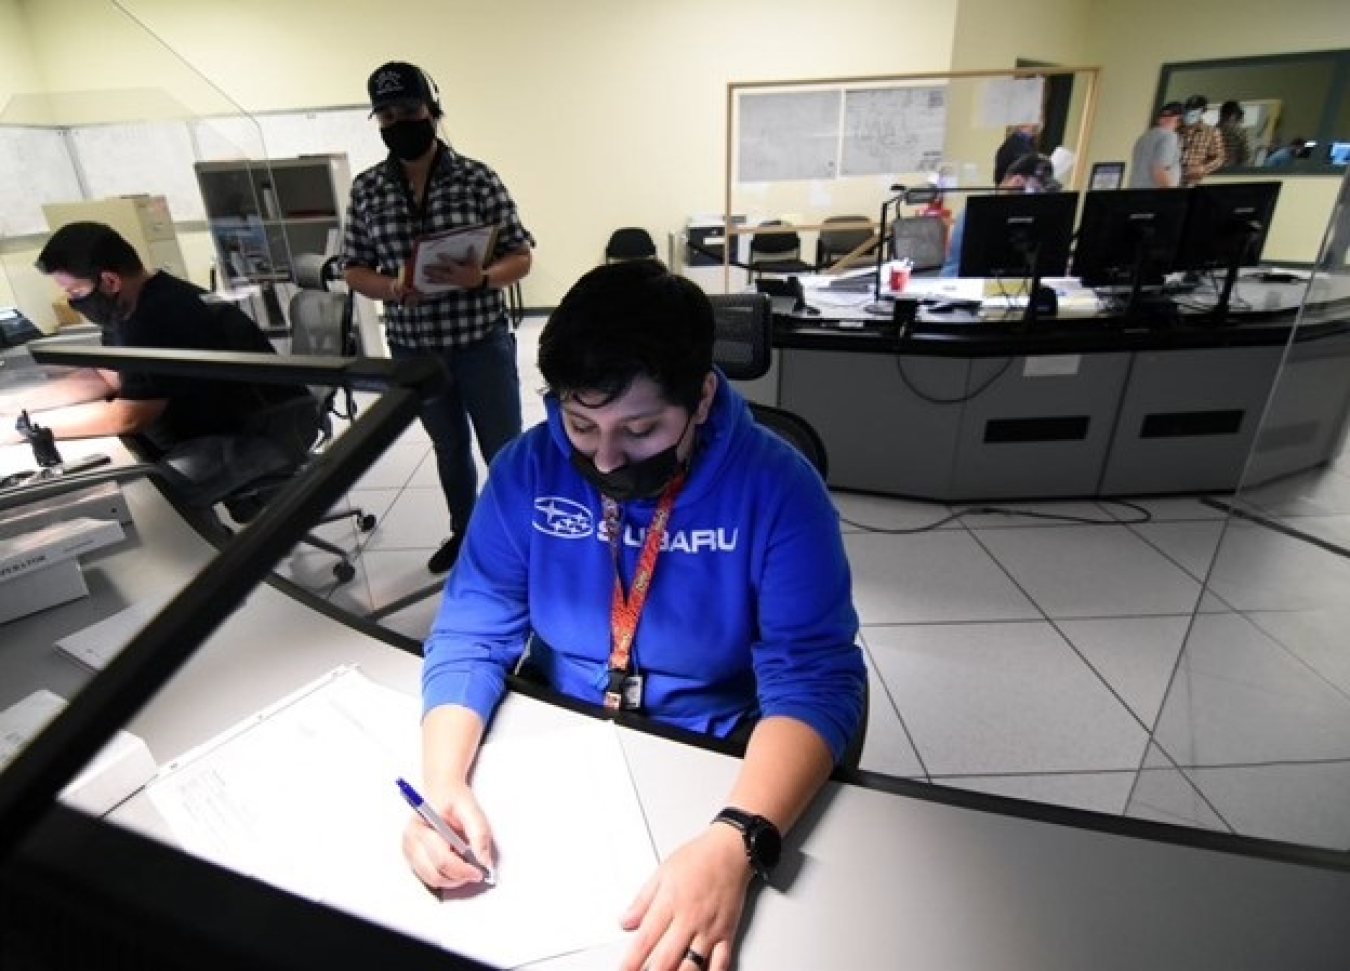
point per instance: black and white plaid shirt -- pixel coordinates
(382, 224)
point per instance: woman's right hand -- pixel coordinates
(432, 859)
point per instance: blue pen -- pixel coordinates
(433, 819)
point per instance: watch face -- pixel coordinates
(766, 846)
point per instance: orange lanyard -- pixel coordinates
(626, 611)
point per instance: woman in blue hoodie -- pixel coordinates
(658, 551)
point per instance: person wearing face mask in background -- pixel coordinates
(208, 437)
(424, 187)
(1030, 173)
(1202, 150)
(652, 549)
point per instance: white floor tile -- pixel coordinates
(864, 513)
(1256, 801)
(980, 699)
(416, 521)
(1241, 698)
(1102, 792)
(1316, 637)
(1092, 571)
(1011, 514)
(1261, 569)
(930, 577)
(1190, 545)
(887, 748)
(1163, 794)
(1135, 656)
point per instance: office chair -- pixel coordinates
(777, 251)
(630, 243)
(742, 348)
(839, 244)
(321, 323)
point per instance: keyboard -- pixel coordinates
(852, 284)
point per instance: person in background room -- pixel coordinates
(209, 438)
(1201, 144)
(1030, 173)
(423, 187)
(651, 548)
(1155, 162)
(1237, 146)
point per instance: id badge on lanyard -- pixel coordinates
(623, 690)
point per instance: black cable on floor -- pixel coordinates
(1144, 516)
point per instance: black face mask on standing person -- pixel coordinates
(409, 138)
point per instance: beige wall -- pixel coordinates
(612, 112)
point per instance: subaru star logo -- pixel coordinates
(563, 518)
(388, 82)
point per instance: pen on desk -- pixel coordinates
(434, 820)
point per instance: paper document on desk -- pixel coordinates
(303, 796)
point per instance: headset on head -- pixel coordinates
(433, 93)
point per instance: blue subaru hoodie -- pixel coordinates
(749, 611)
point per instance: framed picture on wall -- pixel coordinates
(1107, 175)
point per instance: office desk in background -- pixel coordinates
(1081, 405)
(885, 877)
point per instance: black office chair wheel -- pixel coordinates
(344, 571)
(365, 523)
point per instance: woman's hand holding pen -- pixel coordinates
(693, 902)
(433, 860)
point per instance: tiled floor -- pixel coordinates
(1051, 660)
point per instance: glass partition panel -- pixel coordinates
(842, 150)
(1253, 734)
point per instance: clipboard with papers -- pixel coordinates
(457, 245)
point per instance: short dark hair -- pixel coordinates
(1035, 166)
(1197, 101)
(86, 249)
(625, 320)
(1231, 109)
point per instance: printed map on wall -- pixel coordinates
(893, 129)
(788, 135)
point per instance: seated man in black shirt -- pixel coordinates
(210, 437)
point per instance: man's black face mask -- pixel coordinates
(97, 306)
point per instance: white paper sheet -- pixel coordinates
(304, 796)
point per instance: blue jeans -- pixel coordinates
(482, 386)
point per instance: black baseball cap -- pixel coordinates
(398, 83)
(1172, 109)
(1197, 101)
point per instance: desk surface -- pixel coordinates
(886, 878)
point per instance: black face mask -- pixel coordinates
(637, 480)
(409, 138)
(98, 307)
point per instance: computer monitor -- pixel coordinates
(1226, 228)
(1019, 234)
(1128, 238)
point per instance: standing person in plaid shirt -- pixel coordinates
(1201, 144)
(423, 187)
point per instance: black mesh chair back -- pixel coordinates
(630, 243)
(742, 348)
(742, 332)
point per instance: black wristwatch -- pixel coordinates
(763, 842)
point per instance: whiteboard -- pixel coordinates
(152, 158)
(37, 168)
(898, 129)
